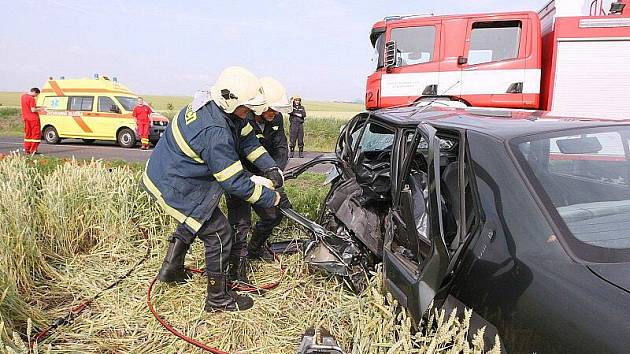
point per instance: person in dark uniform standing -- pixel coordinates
(269, 129)
(296, 120)
(195, 162)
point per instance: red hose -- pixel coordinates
(195, 342)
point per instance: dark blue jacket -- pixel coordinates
(199, 158)
(273, 139)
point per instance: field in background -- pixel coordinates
(323, 121)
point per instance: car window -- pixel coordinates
(375, 138)
(105, 104)
(494, 41)
(55, 103)
(127, 102)
(80, 103)
(585, 175)
(415, 44)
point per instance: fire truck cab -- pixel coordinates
(569, 55)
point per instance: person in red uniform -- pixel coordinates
(30, 114)
(141, 114)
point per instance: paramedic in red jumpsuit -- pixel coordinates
(141, 114)
(30, 114)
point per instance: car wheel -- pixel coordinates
(88, 141)
(126, 138)
(51, 136)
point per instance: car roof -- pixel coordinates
(500, 123)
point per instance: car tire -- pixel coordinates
(89, 141)
(126, 138)
(51, 136)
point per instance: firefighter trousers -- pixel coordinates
(296, 132)
(240, 218)
(32, 136)
(217, 239)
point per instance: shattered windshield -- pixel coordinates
(585, 175)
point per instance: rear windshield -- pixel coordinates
(584, 178)
(127, 102)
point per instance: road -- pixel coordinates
(110, 151)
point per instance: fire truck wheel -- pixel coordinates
(51, 136)
(126, 138)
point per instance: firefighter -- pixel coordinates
(269, 129)
(296, 120)
(195, 162)
(141, 115)
(30, 115)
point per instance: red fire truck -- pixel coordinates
(571, 58)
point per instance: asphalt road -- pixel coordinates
(110, 151)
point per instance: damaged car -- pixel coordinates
(522, 217)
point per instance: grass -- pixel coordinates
(68, 228)
(324, 119)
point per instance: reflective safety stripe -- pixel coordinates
(194, 224)
(258, 189)
(181, 142)
(229, 171)
(254, 155)
(246, 130)
(32, 140)
(260, 136)
(275, 127)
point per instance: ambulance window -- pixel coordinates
(106, 104)
(494, 41)
(83, 103)
(415, 44)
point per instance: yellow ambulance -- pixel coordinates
(92, 109)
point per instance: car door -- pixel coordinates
(415, 283)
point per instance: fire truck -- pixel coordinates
(571, 58)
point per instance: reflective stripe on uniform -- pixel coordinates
(260, 136)
(258, 189)
(228, 172)
(254, 155)
(32, 140)
(194, 224)
(246, 130)
(191, 115)
(181, 142)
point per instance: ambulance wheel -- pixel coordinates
(89, 141)
(126, 138)
(51, 136)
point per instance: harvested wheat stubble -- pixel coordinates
(77, 243)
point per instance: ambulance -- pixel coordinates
(92, 109)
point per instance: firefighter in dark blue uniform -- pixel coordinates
(269, 129)
(195, 162)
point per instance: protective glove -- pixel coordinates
(276, 176)
(262, 181)
(282, 201)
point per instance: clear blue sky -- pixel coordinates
(319, 49)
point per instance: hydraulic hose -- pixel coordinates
(238, 287)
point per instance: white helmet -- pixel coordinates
(237, 86)
(275, 95)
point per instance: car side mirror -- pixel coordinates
(461, 60)
(391, 54)
(115, 109)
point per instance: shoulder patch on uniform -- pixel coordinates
(190, 114)
(275, 127)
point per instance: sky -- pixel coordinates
(319, 49)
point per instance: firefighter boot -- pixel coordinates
(301, 153)
(172, 270)
(222, 299)
(257, 247)
(238, 270)
(292, 154)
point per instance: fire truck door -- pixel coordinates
(494, 62)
